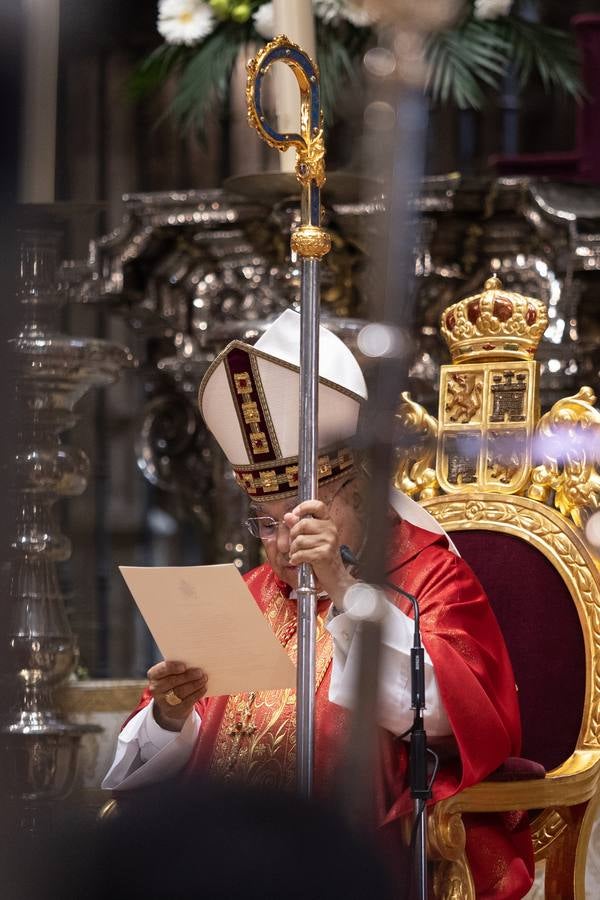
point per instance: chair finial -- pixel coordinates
(493, 283)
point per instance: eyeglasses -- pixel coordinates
(265, 527)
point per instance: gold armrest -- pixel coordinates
(575, 781)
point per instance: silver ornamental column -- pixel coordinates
(38, 748)
(310, 242)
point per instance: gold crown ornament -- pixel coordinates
(495, 324)
(488, 438)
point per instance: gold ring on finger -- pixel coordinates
(172, 698)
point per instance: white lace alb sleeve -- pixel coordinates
(147, 753)
(394, 711)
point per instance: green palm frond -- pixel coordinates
(154, 70)
(549, 52)
(475, 55)
(463, 61)
(204, 79)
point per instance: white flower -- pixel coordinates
(264, 20)
(332, 10)
(355, 14)
(492, 9)
(326, 9)
(184, 21)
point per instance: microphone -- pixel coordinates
(417, 653)
(419, 781)
(348, 557)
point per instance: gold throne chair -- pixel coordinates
(515, 490)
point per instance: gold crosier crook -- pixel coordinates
(310, 242)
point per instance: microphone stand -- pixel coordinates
(420, 784)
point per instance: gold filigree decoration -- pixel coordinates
(310, 147)
(415, 471)
(257, 737)
(255, 66)
(310, 161)
(568, 447)
(559, 541)
(463, 397)
(545, 829)
(310, 242)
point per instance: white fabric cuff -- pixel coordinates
(152, 735)
(397, 630)
(146, 754)
(394, 712)
(342, 629)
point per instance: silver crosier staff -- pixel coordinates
(310, 242)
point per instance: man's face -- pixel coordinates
(344, 504)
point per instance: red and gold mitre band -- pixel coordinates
(251, 406)
(280, 480)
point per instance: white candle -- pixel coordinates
(295, 19)
(38, 122)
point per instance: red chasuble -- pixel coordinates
(252, 736)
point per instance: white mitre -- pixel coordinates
(249, 399)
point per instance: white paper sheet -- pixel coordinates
(205, 616)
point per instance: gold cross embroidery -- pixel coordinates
(244, 726)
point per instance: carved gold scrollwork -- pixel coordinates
(415, 469)
(568, 448)
(445, 833)
(545, 829)
(446, 839)
(453, 881)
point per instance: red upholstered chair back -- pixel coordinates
(543, 634)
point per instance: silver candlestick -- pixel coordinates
(38, 748)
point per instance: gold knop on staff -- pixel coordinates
(310, 240)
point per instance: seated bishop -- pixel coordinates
(249, 401)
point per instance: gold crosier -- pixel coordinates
(309, 240)
(310, 243)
